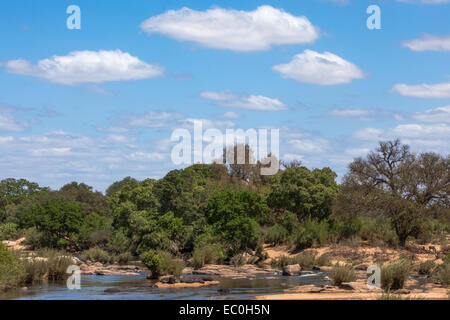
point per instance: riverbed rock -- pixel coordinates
(292, 270)
(169, 279)
(402, 291)
(111, 290)
(196, 278)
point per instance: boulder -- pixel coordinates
(169, 279)
(292, 270)
(196, 278)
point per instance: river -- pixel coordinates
(93, 287)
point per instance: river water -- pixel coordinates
(93, 287)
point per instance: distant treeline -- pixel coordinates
(215, 212)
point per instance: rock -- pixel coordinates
(224, 291)
(196, 278)
(149, 275)
(111, 290)
(292, 270)
(346, 286)
(402, 291)
(316, 268)
(326, 278)
(169, 279)
(316, 290)
(150, 285)
(99, 273)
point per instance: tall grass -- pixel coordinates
(341, 273)
(395, 274)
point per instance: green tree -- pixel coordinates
(303, 192)
(60, 221)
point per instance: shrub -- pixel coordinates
(341, 273)
(394, 275)
(306, 261)
(124, 258)
(35, 270)
(426, 267)
(443, 273)
(97, 255)
(10, 269)
(208, 254)
(8, 231)
(277, 235)
(34, 238)
(311, 232)
(237, 260)
(161, 264)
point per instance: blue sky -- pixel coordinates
(100, 103)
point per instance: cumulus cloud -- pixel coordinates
(428, 42)
(432, 91)
(235, 30)
(421, 137)
(80, 67)
(9, 124)
(319, 68)
(250, 102)
(437, 115)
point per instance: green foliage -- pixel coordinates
(237, 260)
(35, 239)
(8, 231)
(162, 263)
(96, 255)
(10, 269)
(277, 234)
(305, 260)
(60, 221)
(341, 273)
(312, 232)
(443, 273)
(394, 274)
(208, 254)
(426, 267)
(305, 193)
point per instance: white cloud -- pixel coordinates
(250, 102)
(428, 42)
(441, 115)
(319, 68)
(433, 91)
(240, 31)
(310, 145)
(9, 124)
(230, 115)
(364, 114)
(86, 67)
(420, 137)
(154, 119)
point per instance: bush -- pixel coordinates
(312, 232)
(161, 264)
(96, 255)
(237, 260)
(124, 258)
(50, 265)
(8, 231)
(306, 261)
(208, 254)
(426, 267)
(35, 270)
(34, 238)
(394, 275)
(10, 269)
(443, 274)
(277, 235)
(341, 273)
